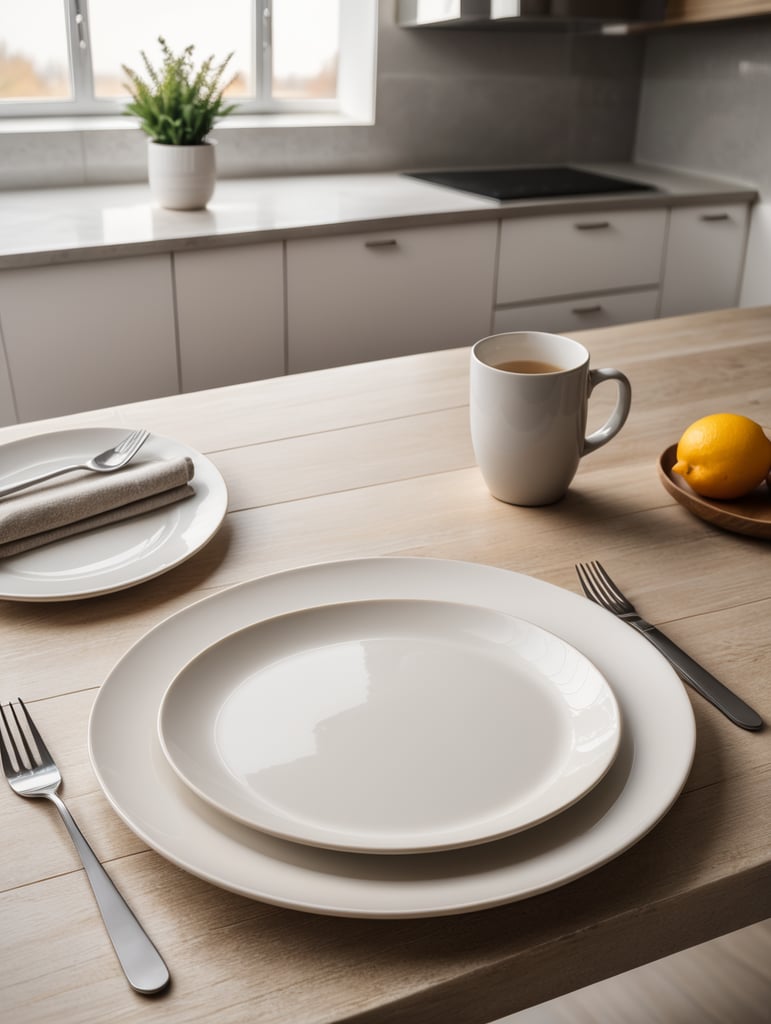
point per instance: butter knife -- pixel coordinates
(601, 589)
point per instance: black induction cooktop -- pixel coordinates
(531, 182)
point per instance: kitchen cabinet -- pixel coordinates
(585, 312)
(354, 298)
(87, 335)
(694, 12)
(84, 335)
(682, 12)
(7, 406)
(704, 258)
(230, 314)
(574, 254)
(596, 268)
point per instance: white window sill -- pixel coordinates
(63, 125)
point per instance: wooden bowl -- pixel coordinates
(750, 515)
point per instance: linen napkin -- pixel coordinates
(48, 513)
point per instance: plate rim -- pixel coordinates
(216, 499)
(227, 855)
(464, 835)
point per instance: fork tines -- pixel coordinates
(133, 441)
(599, 587)
(32, 757)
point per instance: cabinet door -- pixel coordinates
(7, 407)
(88, 335)
(579, 253)
(705, 254)
(230, 314)
(359, 297)
(589, 311)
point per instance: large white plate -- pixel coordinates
(392, 726)
(122, 554)
(653, 762)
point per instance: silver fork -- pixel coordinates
(33, 773)
(105, 462)
(600, 588)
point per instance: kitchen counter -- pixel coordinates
(54, 226)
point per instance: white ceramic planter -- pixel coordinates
(181, 177)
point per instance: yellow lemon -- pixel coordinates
(723, 455)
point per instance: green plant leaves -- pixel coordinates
(176, 104)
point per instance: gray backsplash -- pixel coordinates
(460, 98)
(695, 98)
(444, 98)
(705, 102)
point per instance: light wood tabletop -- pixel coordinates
(376, 460)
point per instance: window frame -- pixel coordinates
(84, 103)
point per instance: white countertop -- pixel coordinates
(45, 226)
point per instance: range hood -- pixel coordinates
(568, 15)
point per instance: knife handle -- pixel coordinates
(703, 682)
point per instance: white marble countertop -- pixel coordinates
(46, 226)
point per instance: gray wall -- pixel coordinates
(444, 98)
(449, 97)
(460, 98)
(705, 105)
(705, 102)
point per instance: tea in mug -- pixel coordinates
(527, 366)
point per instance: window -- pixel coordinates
(64, 56)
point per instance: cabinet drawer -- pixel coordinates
(572, 254)
(359, 297)
(705, 253)
(577, 314)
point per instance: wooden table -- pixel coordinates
(375, 459)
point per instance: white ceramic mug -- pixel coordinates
(528, 428)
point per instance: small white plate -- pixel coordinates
(122, 554)
(657, 746)
(390, 726)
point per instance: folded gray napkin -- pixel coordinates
(48, 513)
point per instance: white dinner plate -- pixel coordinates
(652, 765)
(119, 555)
(391, 726)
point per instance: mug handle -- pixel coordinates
(618, 416)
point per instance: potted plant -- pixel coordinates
(177, 105)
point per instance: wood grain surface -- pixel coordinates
(375, 459)
(686, 11)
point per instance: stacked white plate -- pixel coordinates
(120, 555)
(391, 737)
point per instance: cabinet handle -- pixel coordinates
(714, 216)
(381, 243)
(592, 225)
(587, 309)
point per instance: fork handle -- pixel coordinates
(700, 679)
(31, 481)
(141, 962)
